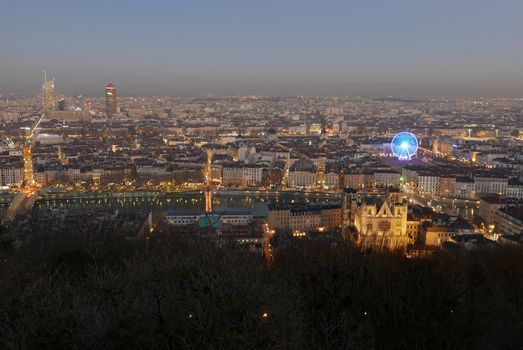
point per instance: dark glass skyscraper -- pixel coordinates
(61, 104)
(110, 99)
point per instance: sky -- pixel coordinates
(271, 47)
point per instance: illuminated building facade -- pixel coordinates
(511, 220)
(305, 218)
(303, 174)
(381, 224)
(28, 166)
(11, 174)
(48, 102)
(110, 99)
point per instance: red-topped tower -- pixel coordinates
(110, 99)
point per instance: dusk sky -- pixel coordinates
(285, 47)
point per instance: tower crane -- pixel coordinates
(27, 153)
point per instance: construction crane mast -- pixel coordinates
(29, 181)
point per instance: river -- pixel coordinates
(159, 201)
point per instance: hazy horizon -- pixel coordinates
(291, 48)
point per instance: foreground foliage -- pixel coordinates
(175, 295)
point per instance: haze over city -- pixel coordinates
(186, 48)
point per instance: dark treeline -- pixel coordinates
(180, 295)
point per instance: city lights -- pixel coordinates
(261, 175)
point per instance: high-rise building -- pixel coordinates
(48, 96)
(110, 99)
(79, 102)
(62, 104)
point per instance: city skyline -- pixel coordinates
(188, 49)
(261, 174)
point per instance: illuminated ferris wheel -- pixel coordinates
(404, 145)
